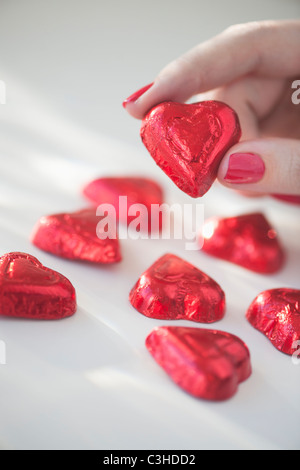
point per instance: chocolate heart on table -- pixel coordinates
(77, 236)
(276, 313)
(247, 240)
(30, 290)
(188, 141)
(172, 289)
(137, 191)
(205, 363)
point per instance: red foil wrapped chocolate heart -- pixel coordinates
(276, 313)
(247, 240)
(30, 290)
(205, 363)
(172, 289)
(188, 141)
(76, 236)
(138, 190)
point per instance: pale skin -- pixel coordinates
(250, 67)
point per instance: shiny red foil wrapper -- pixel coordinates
(188, 141)
(76, 236)
(276, 314)
(173, 289)
(207, 364)
(138, 190)
(246, 240)
(30, 290)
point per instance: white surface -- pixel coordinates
(88, 382)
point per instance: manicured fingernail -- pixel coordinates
(132, 98)
(287, 198)
(244, 168)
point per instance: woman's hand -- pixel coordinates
(251, 67)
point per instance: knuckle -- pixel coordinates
(255, 34)
(240, 29)
(252, 28)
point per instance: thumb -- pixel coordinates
(263, 166)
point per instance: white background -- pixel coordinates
(88, 382)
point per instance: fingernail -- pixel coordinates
(132, 98)
(287, 198)
(244, 168)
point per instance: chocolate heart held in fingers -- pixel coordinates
(30, 290)
(188, 141)
(247, 240)
(173, 289)
(76, 236)
(276, 314)
(207, 364)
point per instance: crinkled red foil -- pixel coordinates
(138, 190)
(276, 314)
(74, 236)
(30, 290)
(188, 141)
(207, 364)
(173, 289)
(247, 240)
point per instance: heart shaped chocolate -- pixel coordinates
(172, 289)
(188, 141)
(30, 290)
(77, 236)
(137, 190)
(276, 313)
(247, 240)
(206, 363)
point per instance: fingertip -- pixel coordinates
(258, 166)
(132, 105)
(242, 168)
(134, 111)
(162, 89)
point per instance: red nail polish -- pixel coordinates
(132, 98)
(287, 198)
(244, 168)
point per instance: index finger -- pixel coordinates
(267, 48)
